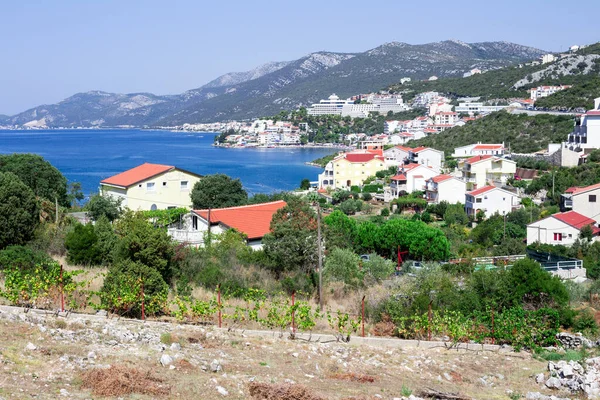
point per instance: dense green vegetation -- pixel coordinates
(218, 191)
(581, 96)
(521, 132)
(44, 179)
(19, 211)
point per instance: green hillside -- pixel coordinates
(519, 131)
(580, 96)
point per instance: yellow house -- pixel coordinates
(151, 187)
(350, 169)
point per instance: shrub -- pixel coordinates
(343, 265)
(81, 244)
(19, 211)
(122, 289)
(426, 217)
(22, 258)
(585, 323)
(373, 188)
(385, 212)
(104, 206)
(367, 196)
(377, 268)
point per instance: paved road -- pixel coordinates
(535, 112)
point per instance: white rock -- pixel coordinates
(215, 366)
(553, 383)
(175, 347)
(31, 347)
(222, 391)
(567, 371)
(447, 376)
(166, 360)
(295, 355)
(91, 355)
(64, 392)
(539, 378)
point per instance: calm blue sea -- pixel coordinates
(88, 156)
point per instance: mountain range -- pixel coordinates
(276, 86)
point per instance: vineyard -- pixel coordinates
(50, 287)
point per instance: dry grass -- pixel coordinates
(120, 380)
(354, 377)
(266, 391)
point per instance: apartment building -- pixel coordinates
(491, 200)
(445, 188)
(349, 169)
(479, 149)
(479, 171)
(545, 91)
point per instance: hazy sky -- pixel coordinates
(50, 50)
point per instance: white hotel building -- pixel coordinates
(346, 108)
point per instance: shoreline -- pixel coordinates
(291, 146)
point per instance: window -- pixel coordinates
(150, 186)
(184, 185)
(592, 198)
(478, 200)
(195, 222)
(557, 237)
(164, 184)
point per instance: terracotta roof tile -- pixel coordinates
(441, 178)
(253, 220)
(488, 147)
(399, 177)
(137, 174)
(476, 159)
(577, 190)
(482, 190)
(576, 220)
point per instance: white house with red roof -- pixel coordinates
(426, 156)
(479, 149)
(254, 221)
(397, 155)
(583, 200)
(151, 187)
(491, 200)
(445, 118)
(445, 188)
(482, 170)
(351, 169)
(586, 133)
(561, 228)
(410, 178)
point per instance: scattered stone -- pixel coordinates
(222, 391)
(215, 366)
(166, 360)
(31, 347)
(540, 378)
(573, 341)
(175, 347)
(64, 392)
(91, 355)
(447, 376)
(553, 383)
(295, 355)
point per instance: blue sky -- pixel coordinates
(53, 49)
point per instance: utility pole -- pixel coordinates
(553, 172)
(208, 236)
(56, 205)
(320, 253)
(504, 225)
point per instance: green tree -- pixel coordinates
(455, 214)
(378, 268)
(19, 211)
(218, 191)
(586, 233)
(139, 241)
(81, 244)
(292, 243)
(104, 206)
(75, 193)
(340, 230)
(107, 239)
(305, 184)
(343, 265)
(44, 179)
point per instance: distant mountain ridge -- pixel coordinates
(277, 86)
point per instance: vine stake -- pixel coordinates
(62, 291)
(219, 302)
(362, 318)
(293, 314)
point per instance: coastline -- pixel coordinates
(290, 146)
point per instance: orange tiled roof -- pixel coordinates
(577, 220)
(482, 190)
(137, 174)
(253, 220)
(441, 178)
(577, 190)
(488, 147)
(476, 159)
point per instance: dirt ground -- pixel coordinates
(49, 357)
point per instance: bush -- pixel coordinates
(367, 197)
(586, 323)
(385, 212)
(82, 246)
(350, 206)
(343, 265)
(426, 217)
(19, 211)
(122, 289)
(377, 268)
(22, 258)
(374, 188)
(104, 206)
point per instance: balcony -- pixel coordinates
(185, 236)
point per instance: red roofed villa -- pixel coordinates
(561, 228)
(254, 221)
(151, 187)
